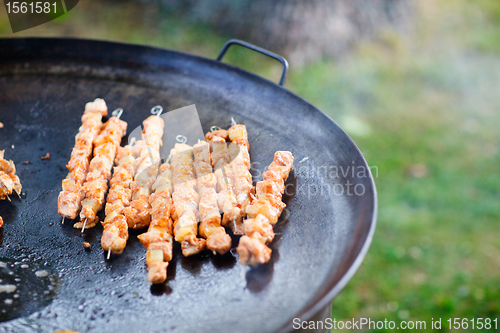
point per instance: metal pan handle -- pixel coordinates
(257, 49)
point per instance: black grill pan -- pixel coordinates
(321, 238)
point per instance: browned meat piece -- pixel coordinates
(219, 151)
(219, 241)
(9, 181)
(138, 214)
(111, 209)
(69, 200)
(6, 185)
(119, 193)
(159, 232)
(209, 211)
(115, 236)
(209, 226)
(6, 166)
(153, 132)
(157, 271)
(165, 245)
(252, 252)
(192, 245)
(185, 225)
(185, 198)
(93, 193)
(237, 131)
(222, 133)
(259, 228)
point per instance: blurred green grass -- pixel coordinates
(424, 108)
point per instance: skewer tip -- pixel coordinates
(62, 222)
(83, 227)
(9, 198)
(109, 254)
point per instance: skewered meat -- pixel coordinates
(226, 197)
(9, 181)
(115, 234)
(138, 213)
(6, 166)
(69, 201)
(264, 212)
(240, 162)
(6, 185)
(271, 188)
(96, 182)
(153, 132)
(210, 227)
(158, 239)
(185, 200)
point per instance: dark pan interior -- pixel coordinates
(44, 85)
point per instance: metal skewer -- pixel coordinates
(84, 224)
(117, 113)
(157, 110)
(215, 128)
(181, 138)
(109, 254)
